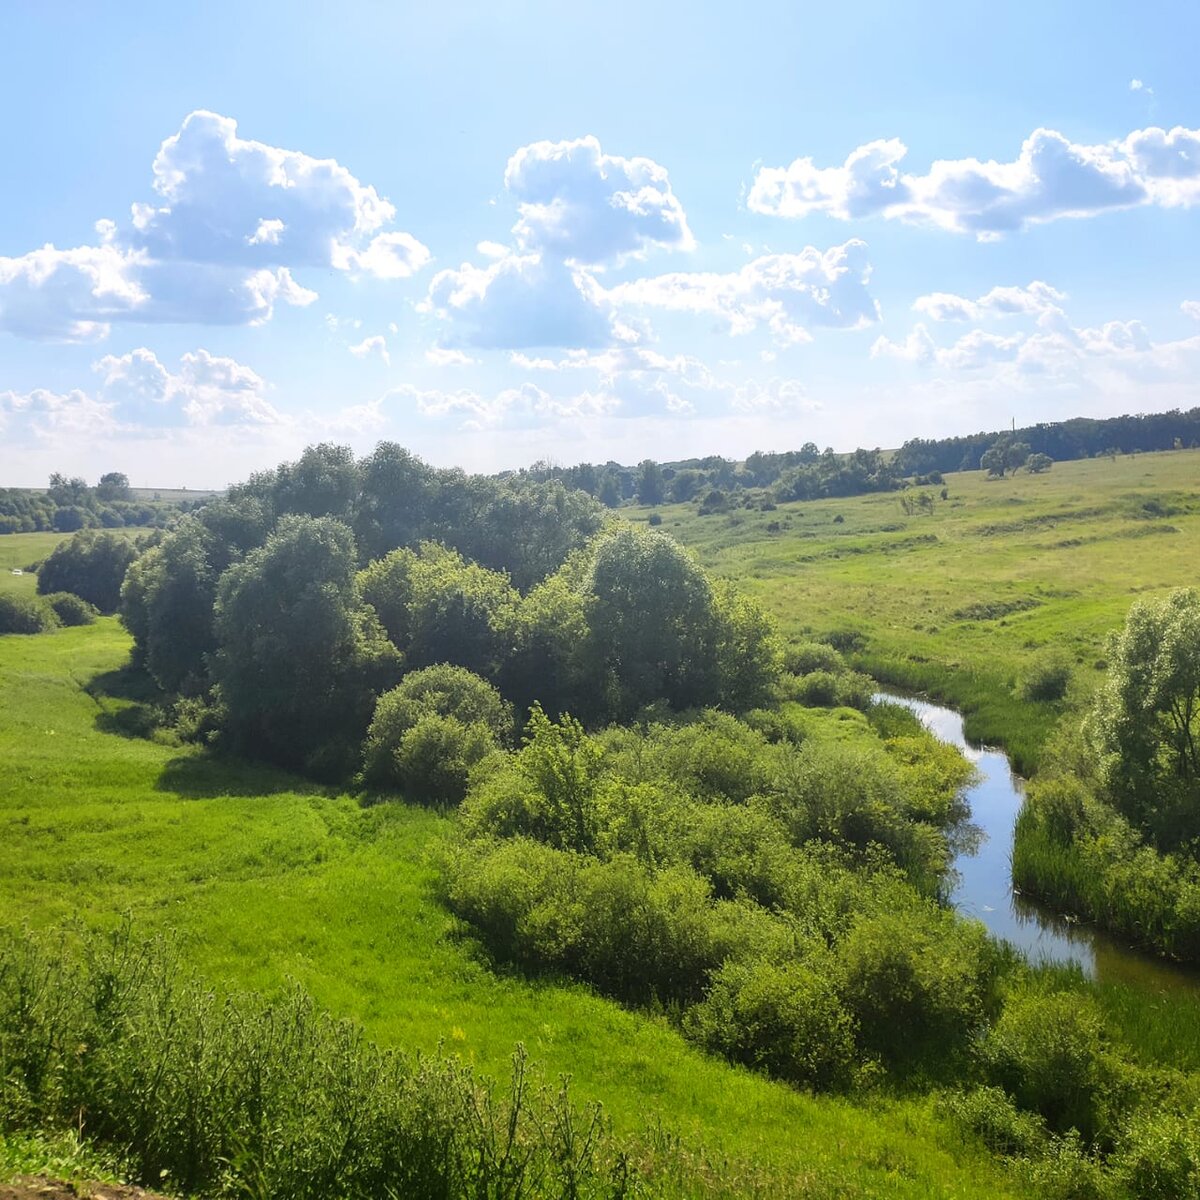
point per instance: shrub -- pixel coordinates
(92, 565)
(434, 758)
(846, 641)
(71, 610)
(19, 615)
(785, 1019)
(990, 1114)
(805, 657)
(916, 981)
(1047, 1051)
(818, 689)
(1158, 1155)
(1046, 679)
(654, 519)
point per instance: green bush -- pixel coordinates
(917, 982)
(19, 615)
(1047, 679)
(990, 1115)
(92, 565)
(71, 610)
(1158, 1155)
(803, 658)
(784, 1019)
(1047, 1050)
(818, 689)
(428, 732)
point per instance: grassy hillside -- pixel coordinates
(270, 879)
(962, 600)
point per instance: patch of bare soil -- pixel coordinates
(38, 1187)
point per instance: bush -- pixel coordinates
(818, 689)
(434, 758)
(917, 983)
(990, 1114)
(654, 519)
(785, 1019)
(1047, 1051)
(804, 658)
(91, 565)
(1046, 679)
(71, 610)
(19, 615)
(1158, 1155)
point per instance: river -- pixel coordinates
(983, 870)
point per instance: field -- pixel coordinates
(960, 601)
(270, 879)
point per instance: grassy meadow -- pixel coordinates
(961, 601)
(270, 879)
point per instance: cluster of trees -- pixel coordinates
(1113, 833)
(1007, 454)
(282, 613)
(1080, 437)
(69, 504)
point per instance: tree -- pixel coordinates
(1035, 464)
(1145, 724)
(299, 660)
(65, 492)
(430, 730)
(650, 485)
(652, 621)
(91, 565)
(1016, 456)
(113, 486)
(610, 489)
(438, 608)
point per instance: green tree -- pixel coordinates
(92, 565)
(1035, 464)
(610, 489)
(1145, 723)
(650, 484)
(652, 621)
(113, 486)
(299, 660)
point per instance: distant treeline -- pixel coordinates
(1080, 437)
(70, 504)
(810, 473)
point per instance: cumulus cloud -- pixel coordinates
(579, 211)
(1036, 297)
(1054, 351)
(1191, 308)
(526, 405)
(372, 345)
(207, 389)
(1051, 177)
(231, 220)
(582, 205)
(786, 292)
(519, 301)
(440, 356)
(775, 396)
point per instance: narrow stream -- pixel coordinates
(984, 875)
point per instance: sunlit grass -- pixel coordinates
(269, 879)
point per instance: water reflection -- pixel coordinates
(982, 873)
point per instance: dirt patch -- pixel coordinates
(38, 1187)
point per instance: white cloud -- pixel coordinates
(786, 292)
(232, 219)
(582, 205)
(775, 396)
(372, 345)
(1000, 301)
(1191, 308)
(918, 347)
(517, 302)
(46, 415)
(1051, 177)
(439, 356)
(207, 389)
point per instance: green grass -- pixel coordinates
(270, 879)
(1057, 558)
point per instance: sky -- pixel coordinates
(506, 232)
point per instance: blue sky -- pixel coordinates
(505, 232)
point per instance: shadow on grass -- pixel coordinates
(128, 702)
(206, 775)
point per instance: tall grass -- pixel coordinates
(238, 1096)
